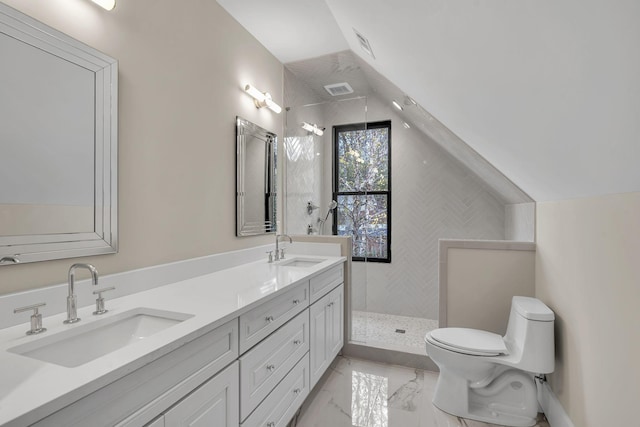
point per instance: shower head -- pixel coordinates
(332, 207)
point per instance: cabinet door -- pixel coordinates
(215, 403)
(318, 339)
(335, 323)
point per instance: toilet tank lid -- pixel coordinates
(532, 309)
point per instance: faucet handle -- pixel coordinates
(36, 318)
(100, 301)
(281, 253)
(270, 256)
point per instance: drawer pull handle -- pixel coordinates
(297, 342)
(296, 301)
(271, 424)
(296, 391)
(269, 319)
(271, 368)
(330, 304)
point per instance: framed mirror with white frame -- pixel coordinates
(58, 144)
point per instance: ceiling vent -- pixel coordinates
(338, 89)
(364, 43)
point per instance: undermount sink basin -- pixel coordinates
(87, 342)
(301, 262)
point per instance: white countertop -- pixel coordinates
(31, 389)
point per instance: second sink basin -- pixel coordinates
(301, 262)
(87, 342)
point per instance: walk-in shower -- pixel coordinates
(383, 294)
(398, 187)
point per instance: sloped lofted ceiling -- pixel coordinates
(546, 91)
(345, 66)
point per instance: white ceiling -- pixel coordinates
(546, 90)
(291, 29)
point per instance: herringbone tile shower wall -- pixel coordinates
(434, 197)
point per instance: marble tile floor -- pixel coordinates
(379, 330)
(360, 393)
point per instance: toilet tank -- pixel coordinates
(530, 335)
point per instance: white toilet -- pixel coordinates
(490, 378)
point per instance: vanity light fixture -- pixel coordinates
(262, 99)
(312, 128)
(398, 106)
(106, 4)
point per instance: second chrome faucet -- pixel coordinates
(280, 252)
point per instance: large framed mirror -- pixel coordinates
(58, 144)
(256, 195)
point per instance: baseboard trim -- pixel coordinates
(552, 407)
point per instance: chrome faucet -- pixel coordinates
(72, 310)
(280, 252)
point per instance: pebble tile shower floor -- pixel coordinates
(391, 332)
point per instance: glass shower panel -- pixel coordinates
(304, 169)
(308, 163)
(309, 177)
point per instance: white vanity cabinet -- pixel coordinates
(327, 336)
(255, 370)
(277, 374)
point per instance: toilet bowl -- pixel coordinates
(488, 377)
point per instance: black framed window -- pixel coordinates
(362, 188)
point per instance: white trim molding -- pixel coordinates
(552, 407)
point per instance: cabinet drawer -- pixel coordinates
(324, 282)
(266, 318)
(283, 402)
(262, 368)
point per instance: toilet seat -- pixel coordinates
(468, 341)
